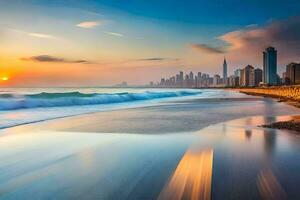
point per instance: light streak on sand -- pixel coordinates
(269, 187)
(192, 178)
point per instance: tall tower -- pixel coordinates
(225, 71)
(270, 66)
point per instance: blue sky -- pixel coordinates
(119, 38)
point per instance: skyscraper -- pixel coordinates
(181, 79)
(257, 76)
(199, 80)
(293, 73)
(270, 66)
(191, 79)
(247, 76)
(216, 80)
(224, 71)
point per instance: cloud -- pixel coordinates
(41, 35)
(245, 46)
(152, 59)
(48, 58)
(113, 34)
(207, 49)
(88, 24)
(156, 59)
(32, 34)
(284, 35)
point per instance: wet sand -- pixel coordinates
(177, 150)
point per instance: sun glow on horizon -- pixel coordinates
(4, 78)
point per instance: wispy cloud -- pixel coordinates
(48, 58)
(156, 60)
(207, 49)
(113, 34)
(32, 34)
(89, 24)
(152, 59)
(41, 35)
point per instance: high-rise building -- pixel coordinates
(258, 73)
(162, 82)
(270, 66)
(191, 79)
(224, 70)
(191, 76)
(233, 81)
(177, 80)
(216, 80)
(181, 75)
(293, 73)
(247, 76)
(238, 73)
(199, 80)
(186, 81)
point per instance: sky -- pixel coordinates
(105, 42)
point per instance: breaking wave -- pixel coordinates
(13, 101)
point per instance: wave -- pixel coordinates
(44, 99)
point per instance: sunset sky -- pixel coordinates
(104, 42)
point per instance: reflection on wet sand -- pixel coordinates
(192, 177)
(231, 160)
(269, 187)
(248, 134)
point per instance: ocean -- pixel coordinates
(26, 105)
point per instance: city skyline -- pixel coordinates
(247, 76)
(106, 43)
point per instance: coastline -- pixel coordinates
(287, 94)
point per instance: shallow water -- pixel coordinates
(230, 160)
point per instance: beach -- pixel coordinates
(203, 146)
(288, 94)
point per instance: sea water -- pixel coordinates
(27, 105)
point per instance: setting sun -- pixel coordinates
(4, 78)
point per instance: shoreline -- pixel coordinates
(168, 108)
(290, 101)
(289, 95)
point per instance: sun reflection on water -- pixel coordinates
(192, 177)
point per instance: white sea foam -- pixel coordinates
(13, 101)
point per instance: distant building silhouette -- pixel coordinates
(258, 74)
(238, 73)
(270, 66)
(233, 81)
(292, 75)
(216, 80)
(247, 76)
(181, 78)
(224, 71)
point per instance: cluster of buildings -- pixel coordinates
(244, 77)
